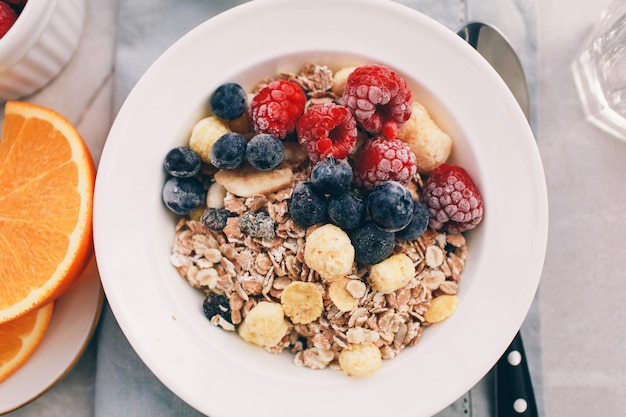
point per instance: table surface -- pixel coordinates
(583, 316)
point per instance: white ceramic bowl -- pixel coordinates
(215, 371)
(39, 45)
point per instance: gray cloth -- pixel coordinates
(124, 385)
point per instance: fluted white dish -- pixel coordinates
(38, 46)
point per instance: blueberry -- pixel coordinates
(418, 223)
(216, 304)
(306, 207)
(228, 101)
(183, 195)
(390, 206)
(182, 162)
(347, 210)
(265, 152)
(257, 225)
(331, 176)
(215, 218)
(371, 245)
(228, 151)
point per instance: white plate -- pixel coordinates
(73, 322)
(214, 371)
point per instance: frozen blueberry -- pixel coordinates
(265, 152)
(306, 207)
(182, 162)
(216, 304)
(418, 223)
(257, 225)
(228, 151)
(215, 218)
(228, 101)
(371, 245)
(331, 176)
(390, 206)
(183, 195)
(346, 210)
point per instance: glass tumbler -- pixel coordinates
(600, 71)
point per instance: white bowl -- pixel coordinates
(40, 43)
(215, 371)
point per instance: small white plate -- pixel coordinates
(161, 315)
(73, 322)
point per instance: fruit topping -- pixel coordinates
(204, 134)
(184, 195)
(276, 108)
(228, 151)
(8, 16)
(257, 225)
(453, 200)
(331, 176)
(307, 207)
(228, 101)
(265, 152)
(390, 206)
(371, 245)
(302, 302)
(182, 162)
(215, 218)
(418, 224)
(247, 181)
(379, 99)
(327, 130)
(329, 252)
(347, 210)
(381, 160)
(215, 304)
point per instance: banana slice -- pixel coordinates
(302, 302)
(248, 181)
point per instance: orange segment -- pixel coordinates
(46, 195)
(20, 337)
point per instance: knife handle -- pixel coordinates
(515, 395)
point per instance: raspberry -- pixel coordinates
(453, 200)
(8, 16)
(384, 159)
(327, 130)
(379, 99)
(276, 108)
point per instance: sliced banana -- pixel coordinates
(302, 302)
(248, 181)
(204, 134)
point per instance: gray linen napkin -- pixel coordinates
(124, 385)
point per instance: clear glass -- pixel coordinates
(600, 71)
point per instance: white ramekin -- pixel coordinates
(40, 43)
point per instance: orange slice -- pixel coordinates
(46, 199)
(20, 338)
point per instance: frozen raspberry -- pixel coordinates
(276, 108)
(8, 16)
(327, 130)
(384, 159)
(453, 200)
(379, 99)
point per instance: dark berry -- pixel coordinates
(228, 151)
(265, 152)
(307, 207)
(331, 176)
(183, 195)
(276, 108)
(418, 224)
(384, 159)
(371, 245)
(215, 218)
(453, 199)
(390, 206)
(215, 304)
(327, 130)
(347, 210)
(228, 101)
(182, 162)
(259, 225)
(379, 98)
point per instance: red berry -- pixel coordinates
(7, 18)
(453, 200)
(384, 159)
(379, 99)
(327, 130)
(276, 108)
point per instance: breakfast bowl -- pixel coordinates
(217, 372)
(38, 45)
